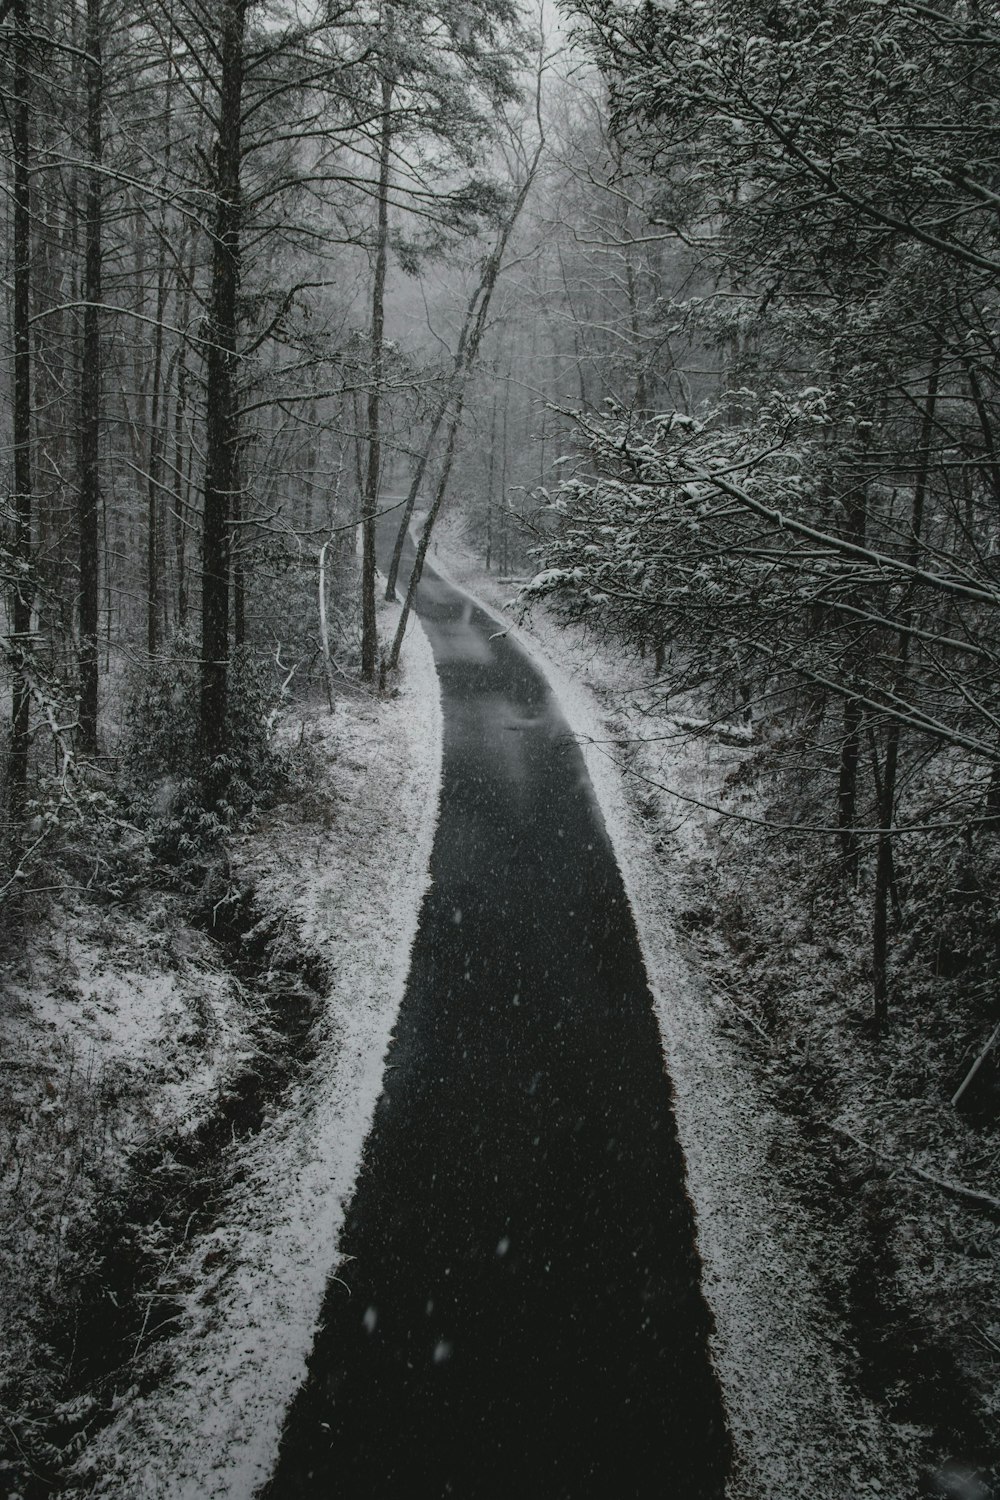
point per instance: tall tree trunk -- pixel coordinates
(850, 744)
(370, 504)
(221, 425)
(182, 480)
(239, 573)
(884, 872)
(153, 479)
(90, 392)
(21, 143)
(324, 626)
(847, 787)
(504, 435)
(155, 540)
(641, 398)
(491, 472)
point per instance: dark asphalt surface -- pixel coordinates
(525, 1316)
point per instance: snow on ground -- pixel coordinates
(349, 863)
(799, 1425)
(113, 1035)
(103, 999)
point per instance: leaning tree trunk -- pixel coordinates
(411, 500)
(468, 351)
(221, 423)
(425, 535)
(453, 382)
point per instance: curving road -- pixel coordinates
(525, 1316)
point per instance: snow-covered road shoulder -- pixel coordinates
(348, 862)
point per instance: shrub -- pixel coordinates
(186, 800)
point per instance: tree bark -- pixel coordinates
(370, 504)
(239, 571)
(425, 535)
(454, 379)
(887, 795)
(91, 392)
(221, 427)
(850, 744)
(21, 613)
(153, 476)
(847, 787)
(491, 471)
(324, 627)
(411, 500)
(182, 481)
(468, 350)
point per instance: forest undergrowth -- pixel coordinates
(156, 1007)
(909, 1181)
(906, 1183)
(150, 1024)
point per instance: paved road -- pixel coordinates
(525, 1317)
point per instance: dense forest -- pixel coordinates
(199, 387)
(818, 538)
(682, 319)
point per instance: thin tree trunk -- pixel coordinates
(454, 378)
(850, 744)
(153, 480)
(504, 433)
(992, 464)
(492, 471)
(221, 427)
(359, 468)
(370, 505)
(20, 132)
(411, 500)
(182, 482)
(157, 438)
(425, 535)
(91, 392)
(324, 628)
(847, 787)
(469, 349)
(887, 799)
(641, 399)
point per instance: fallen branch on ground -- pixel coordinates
(970, 1075)
(953, 1189)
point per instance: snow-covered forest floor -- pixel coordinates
(857, 1334)
(192, 1084)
